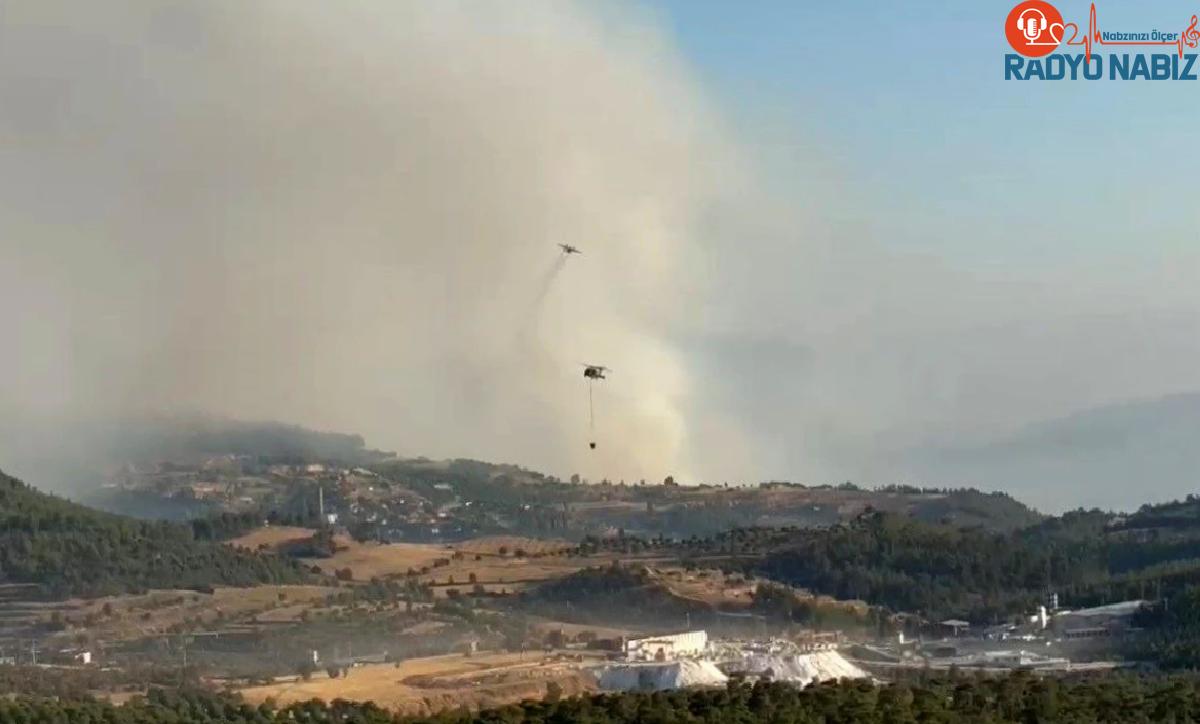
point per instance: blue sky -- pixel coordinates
(1009, 251)
(915, 92)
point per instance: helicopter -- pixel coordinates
(568, 249)
(595, 372)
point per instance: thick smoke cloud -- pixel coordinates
(343, 215)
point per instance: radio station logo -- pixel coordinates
(1034, 28)
(1043, 42)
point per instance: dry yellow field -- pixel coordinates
(436, 683)
(369, 560)
(366, 560)
(134, 616)
(272, 536)
(709, 586)
(504, 570)
(493, 570)
(460, 567)
(491, 545)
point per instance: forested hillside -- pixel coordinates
(934, 570)
(609, 594)
(941, 570)
(1018, 698)
(69, 549)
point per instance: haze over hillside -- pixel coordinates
(346, 216)
(1114, 457)
(74, 458)
(1117, 457)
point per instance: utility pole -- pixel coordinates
(321, 502)
(183, 642)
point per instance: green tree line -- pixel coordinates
(69, 549)
(1018, 698)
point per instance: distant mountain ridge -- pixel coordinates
(72, 457)
(170, 437)
(1117, 456)
(179, 467)
(1101, 428)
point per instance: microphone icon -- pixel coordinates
(1032, 26)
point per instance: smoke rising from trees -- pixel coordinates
(339, 216)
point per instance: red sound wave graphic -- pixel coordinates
(1190, 37)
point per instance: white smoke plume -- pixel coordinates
(346, 215)
(341, 215)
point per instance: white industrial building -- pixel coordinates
(1110, 620)
(666, 647)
